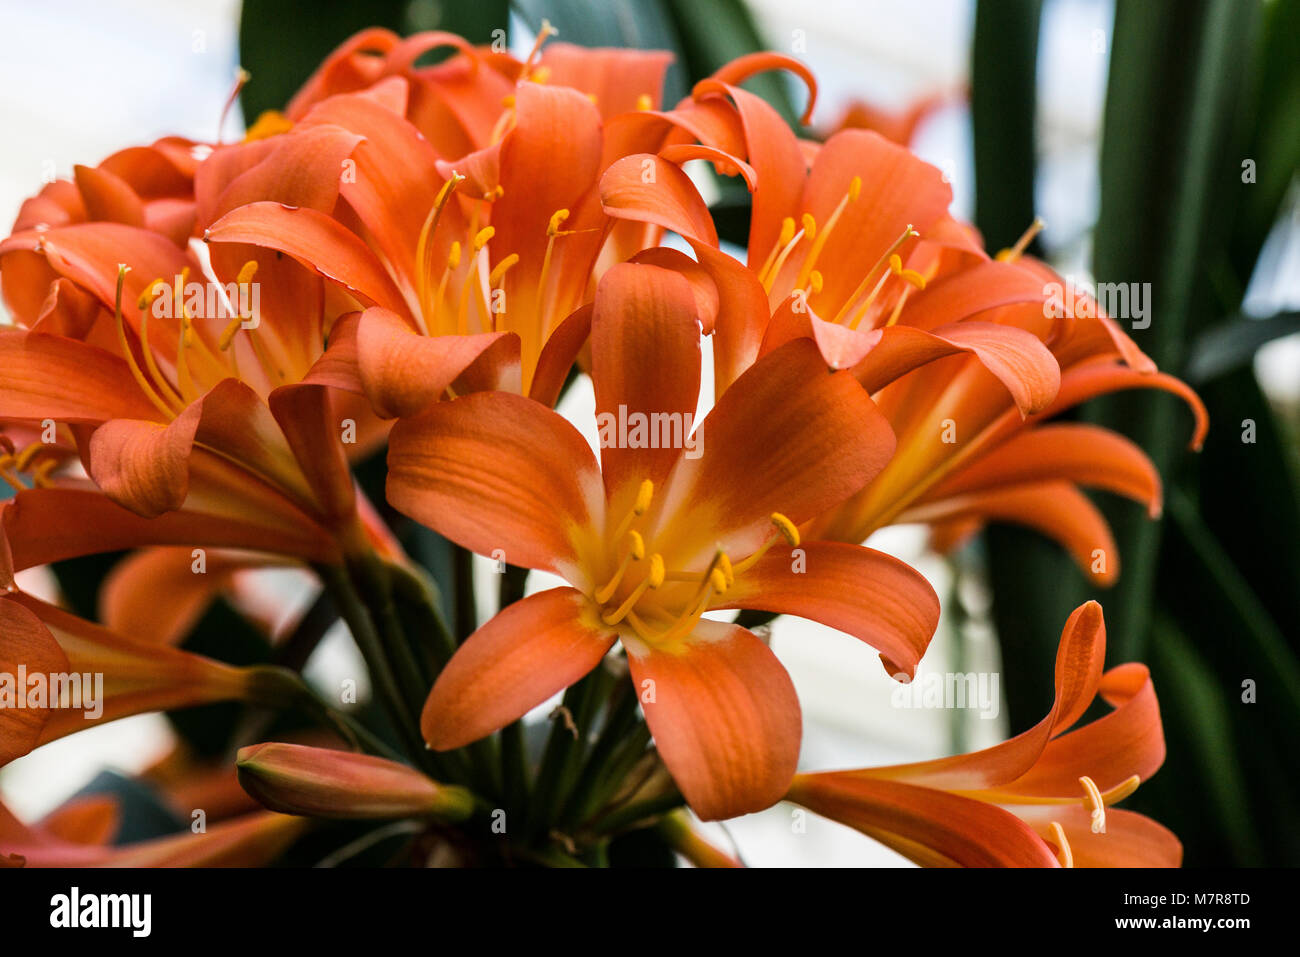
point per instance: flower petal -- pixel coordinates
(315, 240)
(1054, 508)
(1085, 454)
(645, 353)
(44, 376)
(403, 371)
(1130, 840)
(788, 436)
(529, 651)
(932, 827)
(868, 594)
(24, 643)
(497, 471)
(724, 715)
(1079, 659)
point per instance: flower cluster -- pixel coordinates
(208, 337)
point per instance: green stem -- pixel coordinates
(514, 762)
(362, 626)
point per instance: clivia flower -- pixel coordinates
(1040, 799)
(467, 268)
(653, 539)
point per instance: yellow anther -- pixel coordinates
(41, 474)
(786, 528)
(228, 333)
(644, 494)
(1122, 790)
(541, 74)
(247, 272)
(269, 123)
(884, 262)
(24, 458)
(634, 552)
(855, 189)
(129, 356)
(453, 256)
(653, 579)
(502, 268)
(718, 580)
(1063, 853)
(1092, 800)
(1027, 237)
(508, 101)
(724, 563)
(483, 237)
(787, 231)
(815, 281)
(809, 223)
(644, 102)
(910, 276)
(557, 220)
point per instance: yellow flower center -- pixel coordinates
(662, 605)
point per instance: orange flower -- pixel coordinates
(661, 532)
(108, 676)
(77, 835)
(969, 454)
(184, 381)
(469, 266)
(1038, 800)
(966, 355)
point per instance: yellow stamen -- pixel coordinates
(546, 32)
(819, 243)
(785, 529)
(782, 240)
(424, 249)
(644, 103)
(1122, 790)
(635, 552)
(136, 374)
(644, 494)
(481, 239)
(1093, 802)
(41, 474)
(1063, 853)
(781, 258)
(1027, 237)
(653, 579)
(882, 263)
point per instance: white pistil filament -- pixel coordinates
(716, 579)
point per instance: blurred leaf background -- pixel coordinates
(1209, 596)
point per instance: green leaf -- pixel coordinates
(1233, 342)
(1201, 780)
(1163, 166)
(1003, 104)
(281, 46)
